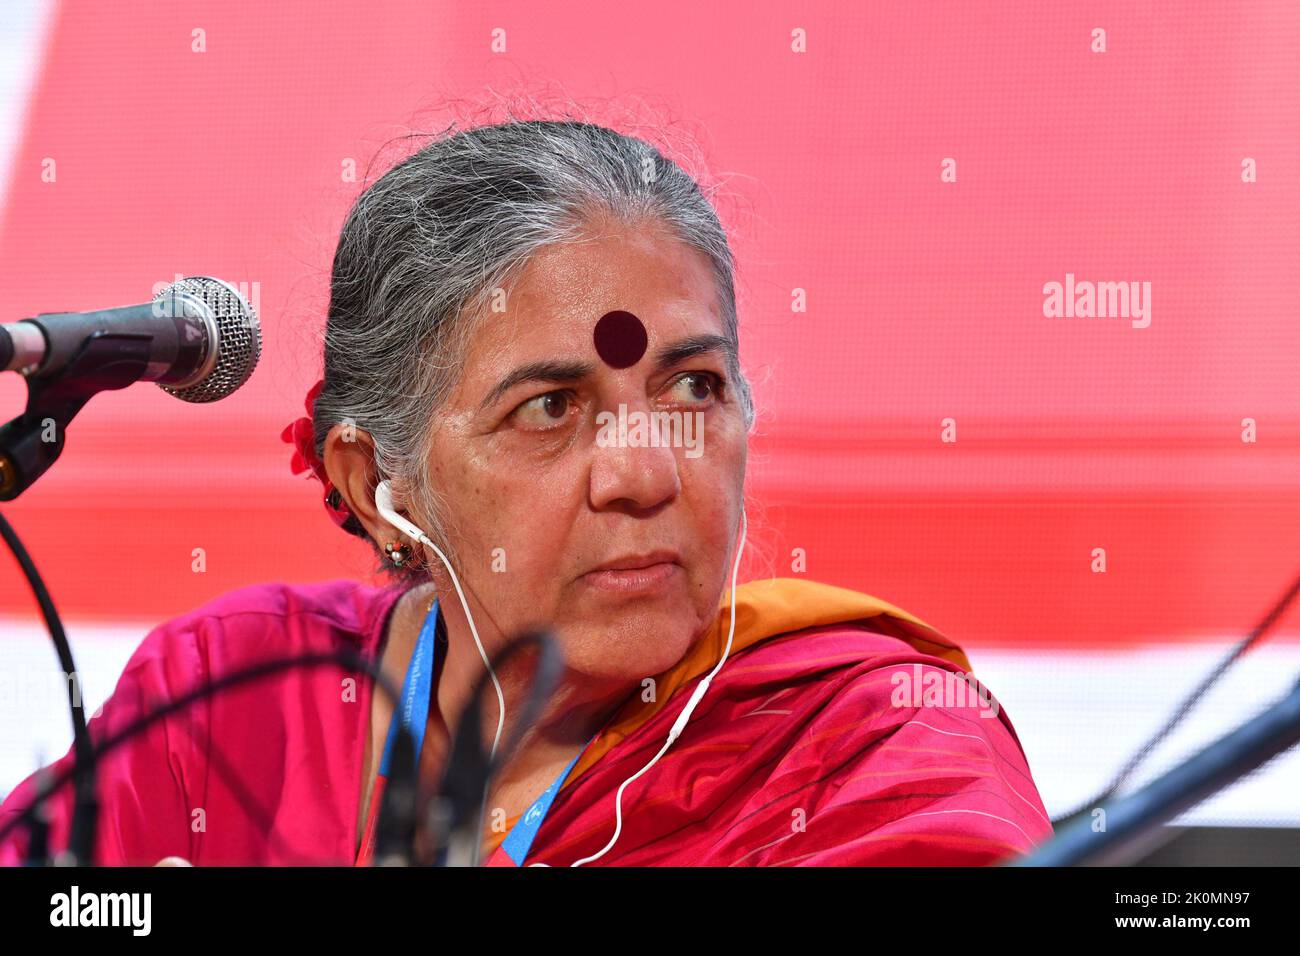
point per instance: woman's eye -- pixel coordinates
(696, 387)
(545, 411)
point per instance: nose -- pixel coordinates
(632, 475)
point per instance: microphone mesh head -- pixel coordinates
(239, 337)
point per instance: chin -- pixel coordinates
(628, 655)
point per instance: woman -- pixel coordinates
(495, 299)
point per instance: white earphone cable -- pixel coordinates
(384, 502)
(680, 724)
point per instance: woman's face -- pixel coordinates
(539, 497)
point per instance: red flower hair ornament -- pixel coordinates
(299, 433)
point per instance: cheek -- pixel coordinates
(716, 479)
(714, 487)
(512, 524)
(466, 503)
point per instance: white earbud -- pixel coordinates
(384, 502)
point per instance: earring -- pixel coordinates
(399, 554)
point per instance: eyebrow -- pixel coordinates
(678, 352)
(562, 372)
(547, 371)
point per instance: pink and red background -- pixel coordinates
(924, 299)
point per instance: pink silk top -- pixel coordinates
(813, 746)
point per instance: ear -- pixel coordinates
(349, 457)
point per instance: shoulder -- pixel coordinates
(856, 694)
(272, 618)
(864, 667)
(898, 755)
(342, 604)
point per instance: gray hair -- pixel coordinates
(424, 248)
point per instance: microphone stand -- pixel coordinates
(1128, 823)
(453, 815)
(29, 445)
(106, 361)
(81, 837)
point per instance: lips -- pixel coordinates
(633, 561)
(640, 574)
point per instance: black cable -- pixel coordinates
(345, 658)
(453, 814)
(1133, 819)
(81, 838)
(1190, 701)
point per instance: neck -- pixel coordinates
(574, 711)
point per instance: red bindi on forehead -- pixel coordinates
(620, 339)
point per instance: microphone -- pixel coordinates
(199, 339)
(203, 339)
(452, 816)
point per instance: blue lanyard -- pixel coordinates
(414, 715)
(414, 711)
(521, 835)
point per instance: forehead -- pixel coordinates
(564, 290)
